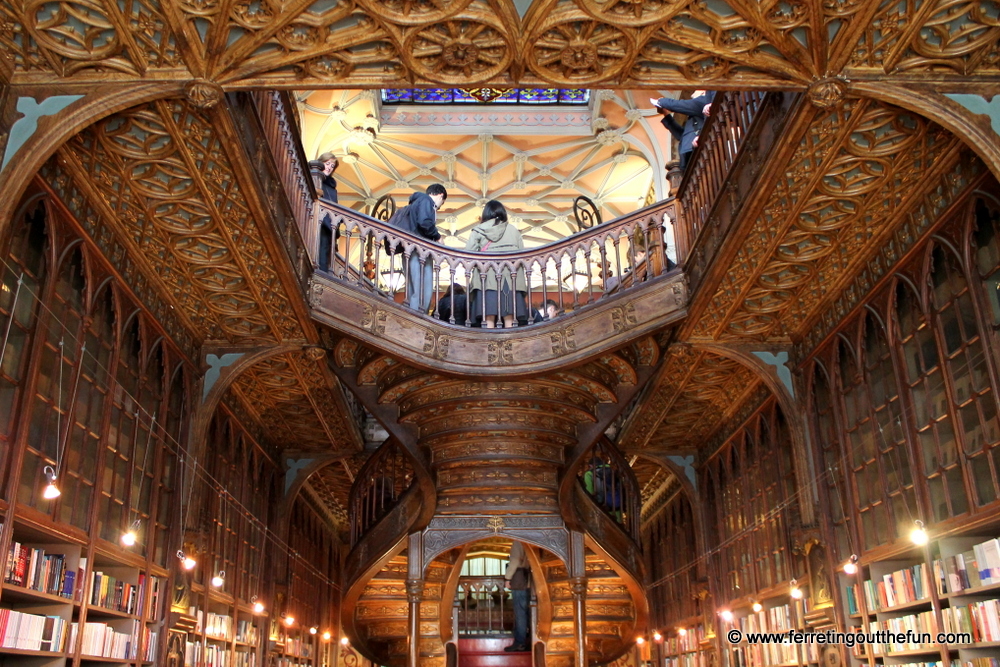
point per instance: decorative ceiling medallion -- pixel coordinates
(459, 51)
(577, 50)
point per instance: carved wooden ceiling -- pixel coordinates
(373, 43)
(857, 172)
(332, 486)
(694, 394)
(160, 180)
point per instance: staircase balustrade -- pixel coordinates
(719, 144)
(378, 486)
(608, 480)
(484, 606)
(573, 272)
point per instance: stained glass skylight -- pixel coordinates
(476, 96)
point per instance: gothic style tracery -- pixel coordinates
(375, 42)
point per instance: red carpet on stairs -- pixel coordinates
(489, 652)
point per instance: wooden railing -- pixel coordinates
(483, 606)
(607, 478)
(271, 142)
(573, 272)
(277, 118)
(380, 483)
(720, 142)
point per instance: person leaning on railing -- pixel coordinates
(696, 109)
(496, 235)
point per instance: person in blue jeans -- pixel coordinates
(421, 219)
(518, 576)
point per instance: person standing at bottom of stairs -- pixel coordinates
(518, 576)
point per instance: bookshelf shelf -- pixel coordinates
(981, 590)
(39, 654)
(22, 594)
(94, 611)
(916, 604)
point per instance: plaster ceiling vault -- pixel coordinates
(534, 159)
(578, 43)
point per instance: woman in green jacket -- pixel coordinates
(496, 235)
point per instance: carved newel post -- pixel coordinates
(674, 176)
(579, 587)
(414, 594)
(316, 171)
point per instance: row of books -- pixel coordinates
(219, 626)
(216, 656)
(246, 632)
(298, 648)
(32, 631)
(105, 641)
(936, 663)
(981, 662)
(916, 623)
(111, 593)
(689, 641)
(245, 659)
(775, 619)
(699, 659)
(33, 568)
(904, 586)
(980, 619)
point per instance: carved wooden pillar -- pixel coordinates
(577, 570)
(579, 588)
(414, 594)
(674, 176)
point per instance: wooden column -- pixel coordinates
(414, 594)
(579, 587)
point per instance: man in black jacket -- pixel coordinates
(694, 109)
(421, 220)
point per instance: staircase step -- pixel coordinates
(489, 652)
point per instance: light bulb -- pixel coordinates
(851, 566)
(187, 562)
(258, 608)
(313, 630)
(757, 606)
(51, 491)
(128, 538)
(727, 615)
(918, 535)
(289, 621)
(681, 632)
(640, 640)
(795, 591)
(344, 641)
(219, 579)
(657, 637)
(327, 636)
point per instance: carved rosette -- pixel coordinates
(460, 51)
(574, 50)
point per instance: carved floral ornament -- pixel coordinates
(373, 42)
